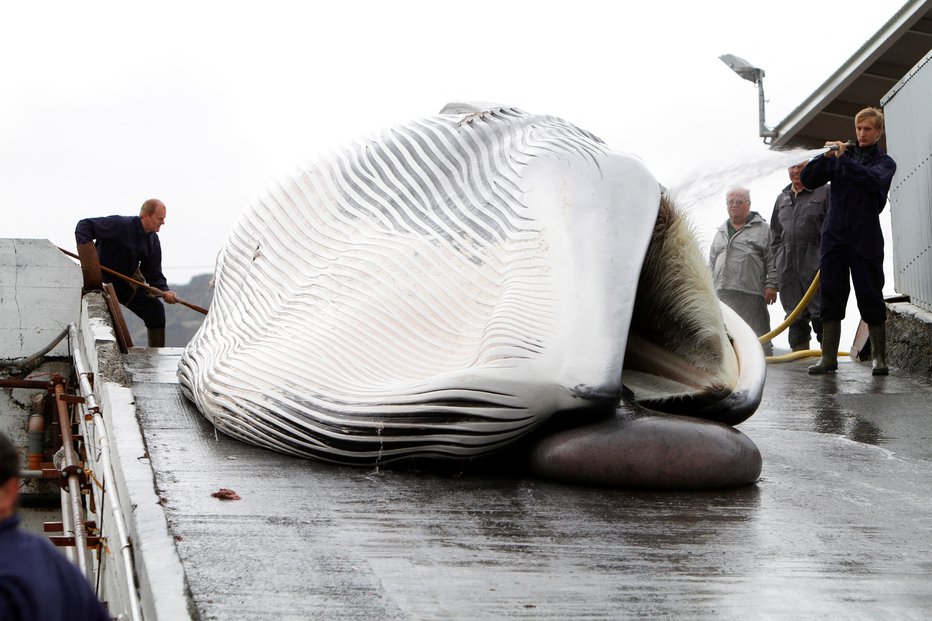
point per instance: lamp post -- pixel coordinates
(756, 75)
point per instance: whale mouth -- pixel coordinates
(686, 352)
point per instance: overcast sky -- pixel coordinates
(204, 104)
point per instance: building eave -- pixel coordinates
(861, 81)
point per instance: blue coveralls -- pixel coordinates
(38, 583)
(123, 245)
(851, 236)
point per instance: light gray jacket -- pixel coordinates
(744, 262)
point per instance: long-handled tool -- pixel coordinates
(149, 288)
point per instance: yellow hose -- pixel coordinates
(796, 311)
(796, 355)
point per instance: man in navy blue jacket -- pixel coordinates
(852, 241)
(126, 244)
(37, 582)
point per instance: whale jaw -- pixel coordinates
(687, 353)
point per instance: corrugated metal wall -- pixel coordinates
(908, 120)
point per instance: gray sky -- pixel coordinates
(204, 104)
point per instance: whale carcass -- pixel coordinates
(481, 281)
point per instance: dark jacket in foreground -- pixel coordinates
(38, 583)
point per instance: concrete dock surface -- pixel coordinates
(839, 526)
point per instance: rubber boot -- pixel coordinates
(878, 336)
(156, 337)
(831, 335)
(801, 346)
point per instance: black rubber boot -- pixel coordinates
(828, 363)
(878, 336)
(156, 337)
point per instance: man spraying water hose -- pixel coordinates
(852, 241)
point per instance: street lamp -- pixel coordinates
(756, 75)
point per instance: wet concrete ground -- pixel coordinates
(837, 527)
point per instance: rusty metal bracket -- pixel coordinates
(124, 340)
(58, 527)
(64, 541)
(90, 267)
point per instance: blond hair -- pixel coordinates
(870, 113)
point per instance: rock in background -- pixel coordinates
(180, 321)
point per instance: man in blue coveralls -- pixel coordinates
(37, 582)
(126, 244)
(852, 241)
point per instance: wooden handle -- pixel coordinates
(145, 286)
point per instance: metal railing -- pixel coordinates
(107, 496)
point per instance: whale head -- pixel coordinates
(444, 287)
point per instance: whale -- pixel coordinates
(479, 284)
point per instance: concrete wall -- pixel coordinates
(159, 575)
(909, 339)
(40, 294)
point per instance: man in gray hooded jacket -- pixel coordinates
(742, 263)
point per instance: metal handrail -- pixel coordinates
(102, 444)
(71, 470)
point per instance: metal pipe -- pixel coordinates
(19, 383)
(72, 470)
(82, 370)
(102, 443)
(765, 132)
(36, 433)
(67, 525)
(29, 361)
(81, 552)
